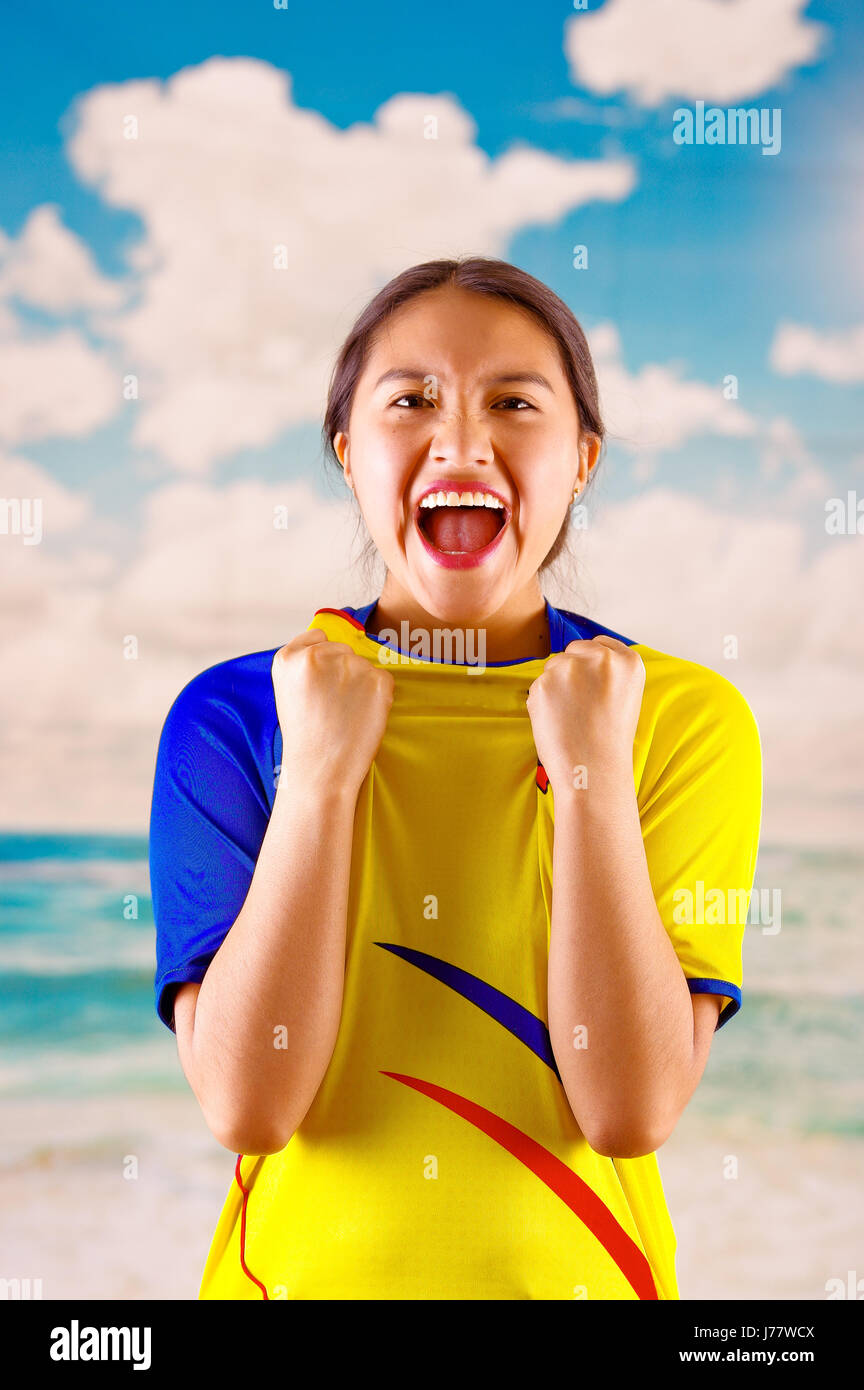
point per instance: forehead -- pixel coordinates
(455, 331)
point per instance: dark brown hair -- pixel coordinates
(482, 276)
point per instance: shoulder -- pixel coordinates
(682, 699)
(231, 701)
(697, 730)
(695, 696)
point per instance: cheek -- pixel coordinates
(382, 496)
(381, 513)
(542, 507)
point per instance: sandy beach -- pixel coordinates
(791, 1220)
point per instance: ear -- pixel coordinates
(589, 452)
(340, 445)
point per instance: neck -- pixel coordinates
(517, 630)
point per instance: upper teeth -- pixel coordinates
(460, 499)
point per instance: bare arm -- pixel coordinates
(278, 976)
(613, 970)
(256, 1037)
(630, 1041)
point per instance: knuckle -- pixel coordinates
(384, 679)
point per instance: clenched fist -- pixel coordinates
(584, 707)
(332, 707)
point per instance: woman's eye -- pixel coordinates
(419, 396)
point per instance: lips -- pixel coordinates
(451, 539)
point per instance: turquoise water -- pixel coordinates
(76, 976)
(76, 985)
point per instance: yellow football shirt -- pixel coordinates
(440, 1158)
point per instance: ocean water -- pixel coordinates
(77, 1015)
(76, 974)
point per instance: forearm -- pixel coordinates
(613, 974)
(268, 1010)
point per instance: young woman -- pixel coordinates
(447, 980)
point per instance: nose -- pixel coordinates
(461, 438)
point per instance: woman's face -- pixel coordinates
(451, 400)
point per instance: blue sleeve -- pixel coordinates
(208, 817)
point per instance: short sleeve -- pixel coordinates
(700, 807)
(208, 817)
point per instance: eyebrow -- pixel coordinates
(403, 373)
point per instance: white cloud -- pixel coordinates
(231, 350)
(63, 509)
(713, 50)
(211, 576)
(654, 409)
(49, 267)
(54, 386)
(798, 349)
(39, 574)
(10, 325)
(681, 575)
(784, 454)
(214, 571)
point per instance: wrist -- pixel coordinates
(602, 778)
(315, 786)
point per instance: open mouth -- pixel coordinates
(459, 529)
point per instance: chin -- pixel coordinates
(462, 598)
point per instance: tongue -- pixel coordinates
(462, 528)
